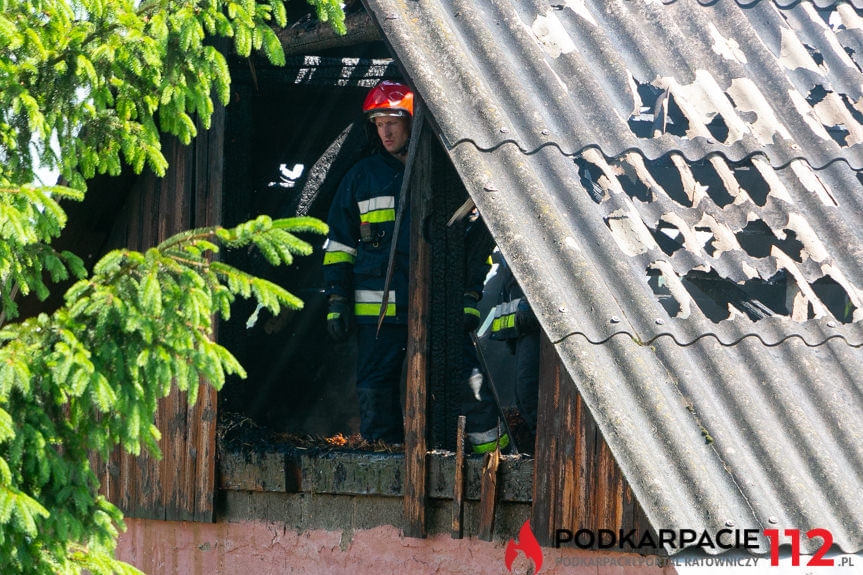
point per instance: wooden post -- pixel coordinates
(488, 495)
(458, 486)
(417, 345)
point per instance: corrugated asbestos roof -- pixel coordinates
(752, 68)
(677, 188)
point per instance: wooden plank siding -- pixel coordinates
(181, 485)
(577, 483)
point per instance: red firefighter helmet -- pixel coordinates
(389, 99)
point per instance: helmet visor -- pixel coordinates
(393, 112)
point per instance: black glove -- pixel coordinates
(525, 320)
(340, 318)
(471, 312)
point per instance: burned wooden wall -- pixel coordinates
(180, 485)
(577, 483)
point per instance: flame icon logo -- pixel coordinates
(528, 544)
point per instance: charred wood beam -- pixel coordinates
(458, 487)
(416, 404)
(488, 497)
(313, 36)
(316, 71)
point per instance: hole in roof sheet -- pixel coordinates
(668, 177)
(642, 121)
(758, 240)
(718, 128)
(657, 282)
(718, 298)
(588, 174)
(712, 310)
(827, 15)
(668, 237)
(659, 113)
(642, 125)
(816, 95)
(834, 298)
(752, 182)
(706, 175)
(632, 184)
(710, 240)
(839, 133)
(676, 123)
(649, 94)
(855, 113)
(791, 245)
(815, 54)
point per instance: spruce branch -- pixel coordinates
(105, 79)
(135, 329)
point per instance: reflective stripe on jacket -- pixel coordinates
(368, 303)
(362, 222)
(504, 326)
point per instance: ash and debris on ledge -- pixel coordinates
(239, 433)
(250, 458)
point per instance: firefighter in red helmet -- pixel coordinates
(362, 226)
(389, 106)
(389, 99)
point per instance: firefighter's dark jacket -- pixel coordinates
(362, 221)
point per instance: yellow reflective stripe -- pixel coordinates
(472, 311)
(337, 258)
(504, 322)
(334, 315)
(378, 216)
(486, 447)
(374, 309)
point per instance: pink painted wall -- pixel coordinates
(259, 548)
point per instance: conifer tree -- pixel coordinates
(85, 87)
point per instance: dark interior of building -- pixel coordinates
(286, 146)
(290, 135)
